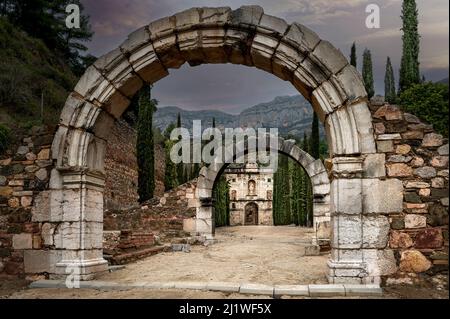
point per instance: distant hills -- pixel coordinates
(444, 81)
(290, 114)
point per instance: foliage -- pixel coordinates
(5, 139)
(409, 67)
(353, 59)
(429, 101)
(170, 177)
(29, 71)
(367, 73)
(390, 94)
(145, 145)
(46, 20)
(315, 139)
(221, 202)
(292, 194)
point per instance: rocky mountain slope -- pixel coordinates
(290, 114)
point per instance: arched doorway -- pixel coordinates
(251, 214)
(244, 36)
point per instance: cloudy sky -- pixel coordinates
(231, 87)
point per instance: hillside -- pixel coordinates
(28, 71)
(290, 114)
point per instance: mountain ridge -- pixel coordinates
(292, 115)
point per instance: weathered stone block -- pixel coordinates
(380, 262)
(374, 165)
(22, 241)
(429, 238)
(375, 230)
(385, 146)
(443, 150)
(256, 289)
(326, 290)
(346, 195)
(374, 192)
(400, 240)
(346, 232)
(425, 172)
(40, 261)
(432, 140)
(414, 261)
(415, 221)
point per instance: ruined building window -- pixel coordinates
(233, 205)
(269, 195)
(233, 194)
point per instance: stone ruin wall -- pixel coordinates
(25, 172)
(414, 154)
(122, 170)
(411, 152)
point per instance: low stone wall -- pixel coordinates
(419, 158)
(24, 172)
(162, 216)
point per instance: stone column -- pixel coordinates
(205, 223)
(346, 264)
(79, 234)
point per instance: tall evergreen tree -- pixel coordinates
(170, 174)
(367, 73)
(181, 167)
(221, 202)
(315, 138)
(409, 67)
(353, 59)
(145, 145)
(390, 93)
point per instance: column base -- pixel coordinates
(346, 272)
(85, 269)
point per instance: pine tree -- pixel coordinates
(315, 138)
(409, 67)
(367, 73)
(390, 94)
(145, 145)
(353, 59)
(46, 20)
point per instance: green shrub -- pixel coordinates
(5, 139)
(428, 101)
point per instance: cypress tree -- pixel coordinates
(389, 83)
(145, 145)
(409, 67)
(221, 202)
(315, 139)
(367, 73)
(181, 169)
(353, 60)
(170, 176)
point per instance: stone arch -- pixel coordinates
(244, 36)
(314, 168)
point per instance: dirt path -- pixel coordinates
(270, 255)
(258, 254)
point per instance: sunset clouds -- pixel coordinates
(339, 21)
